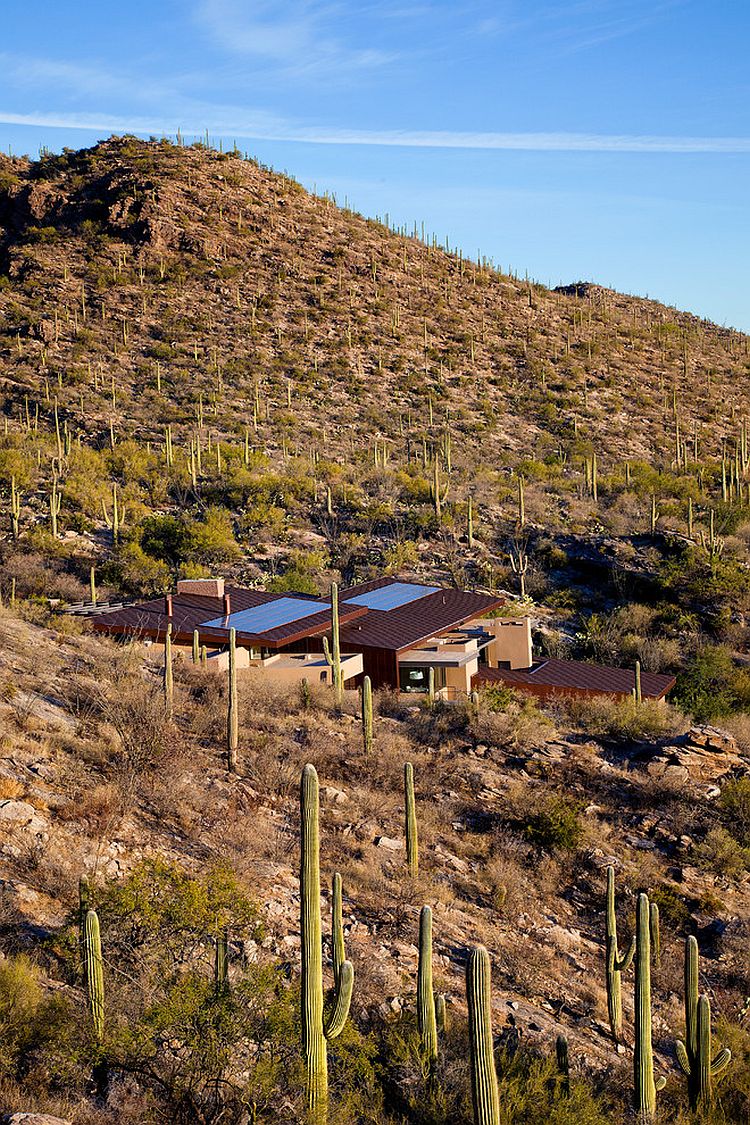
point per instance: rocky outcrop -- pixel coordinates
(703, 754)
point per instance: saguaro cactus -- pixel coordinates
(333, 651)
(316, 1032)
(367, 737)
(221, 962)
(563, 1065)
(92, 954)
(483, 1075)
(232, 708)
(426, 1014)
(54, 505)
(638, 694)
(644, 1086)
(412, 836)
(168, 678)
(694, 1054)
(616, 965)
(15, 508)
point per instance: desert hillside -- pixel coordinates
(206, 370)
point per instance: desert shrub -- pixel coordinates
(604, 715)
(721, 854)
(163, 904)
(211, 538)
(32, 1022)
(132, 570)
(712, 686)
(672, 908)
(734, 802)
(507, 718)
(553, 822)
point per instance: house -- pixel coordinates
(393, 631)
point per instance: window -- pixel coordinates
(415, 678)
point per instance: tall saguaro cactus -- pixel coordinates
(694, 1054)
(645, 1087)
(92, 955)
(168, 678)
(232, 708)
(410, 808)
(426, 1016)
(367, 736)
(333, 651)
(616, 965)
(316, 1031)
(484, 1090)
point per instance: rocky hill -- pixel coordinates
(205, 369)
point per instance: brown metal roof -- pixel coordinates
(408, 625)
(394, 629)
(191, 611)
(578, 677)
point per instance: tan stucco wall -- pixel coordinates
(512, 644)
(458, 680)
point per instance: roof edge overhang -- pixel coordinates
(498, 603)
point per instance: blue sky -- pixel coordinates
(592, 139)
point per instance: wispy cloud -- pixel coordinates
(266, 127)
(296, 38)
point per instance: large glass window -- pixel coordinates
(415, 678)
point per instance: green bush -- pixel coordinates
(712, 686)
(721, 854)
(554, 824)
(734, 802)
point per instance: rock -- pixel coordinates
(335, 796)
(450, 859)
(35, 1119)
(389, 843)
(22, 814)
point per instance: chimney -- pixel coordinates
(168, 604)
(227, 605)
(513, 642)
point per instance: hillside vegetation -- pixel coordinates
(207, 370)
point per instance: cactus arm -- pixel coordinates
(615, 964)
(682, 1057)
(342, 1001)
(426, 1016)
(655, 933)
(441, 1013)
(338, 947)
(483, 1075)
(623, 963)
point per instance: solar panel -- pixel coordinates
(270, 615)
(392, 596)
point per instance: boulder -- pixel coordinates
(22, 814)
